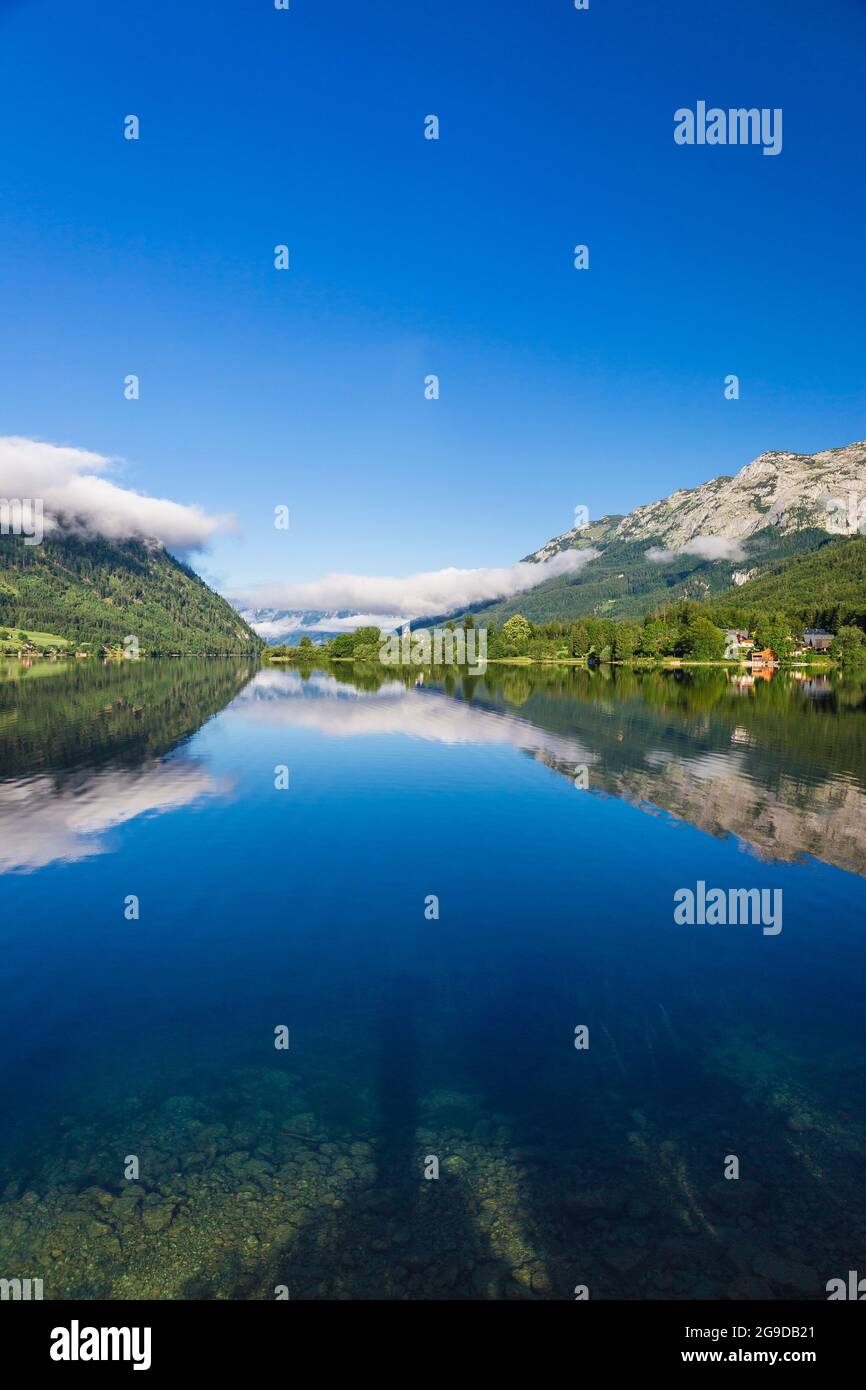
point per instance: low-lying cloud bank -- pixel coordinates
(417, 595)
(282, 625)
(77, 500)
(707, 547)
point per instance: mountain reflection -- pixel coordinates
(87, 748)
(780, 764)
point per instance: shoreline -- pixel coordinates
(672, 663)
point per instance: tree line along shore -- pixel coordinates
(682, 635)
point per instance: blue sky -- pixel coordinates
(409, 257)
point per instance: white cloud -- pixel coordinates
(280, 625)
(75, 498)
(707, 547)
(417, 595)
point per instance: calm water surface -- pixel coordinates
(414, 1038)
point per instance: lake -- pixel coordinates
(335, 984)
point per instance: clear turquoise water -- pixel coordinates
(411, 1038)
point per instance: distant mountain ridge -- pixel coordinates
(700, 542)
(791, 492)
(276, 625)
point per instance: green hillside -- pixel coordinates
(100, 592)
(623, 583)
(12, 639)
(825, 589)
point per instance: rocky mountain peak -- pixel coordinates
(791, 491)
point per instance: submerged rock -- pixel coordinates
(624, 1259)
(737, 1195)
(590, 1203)
(157, 1217)
(789, 1273)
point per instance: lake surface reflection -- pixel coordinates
(459, 873)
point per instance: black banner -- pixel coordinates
(232, 1338)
